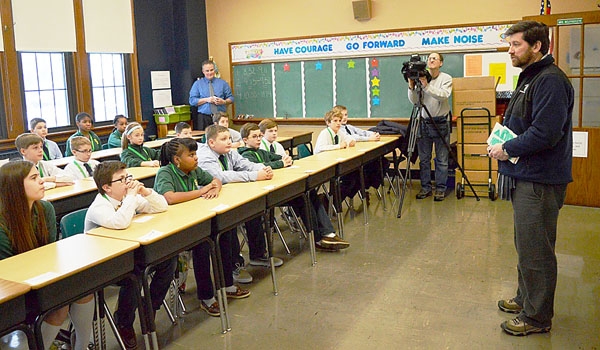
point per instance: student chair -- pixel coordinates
(73, 224)
(105, 146)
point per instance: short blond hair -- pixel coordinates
(78, 141)
(332, 114)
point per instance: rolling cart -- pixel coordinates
(475, 152)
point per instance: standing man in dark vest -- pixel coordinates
(540, 114)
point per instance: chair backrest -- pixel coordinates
(105, 146)
(73, 223)
(303, 151)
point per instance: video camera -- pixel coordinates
(415, 68)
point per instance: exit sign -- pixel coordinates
(569, 21)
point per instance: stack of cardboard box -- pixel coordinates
(474, 127)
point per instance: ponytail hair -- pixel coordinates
(128, 130)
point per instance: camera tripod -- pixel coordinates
(415, 124)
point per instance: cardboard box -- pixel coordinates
(462, 99)
(472, 133)
(479, 181)
(475, 157)
(474, 83)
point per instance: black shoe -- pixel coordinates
(424, 194)
(128, 336)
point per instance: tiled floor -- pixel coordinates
(429, 280)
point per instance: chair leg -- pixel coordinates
(303, 229)
(112, 324)
(276, 226)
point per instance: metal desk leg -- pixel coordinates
(267, 226)
(221, 290)
(363, 192)
(337, 203)
(309, 228)
(382, 182)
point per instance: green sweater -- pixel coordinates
(134, 155)
(6, 249)
(261, 156)
(169, 178)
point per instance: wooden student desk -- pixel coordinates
(12, 308)
(298, 138)
(66, 199)
(162, 236)
(283, 187)
(67, 270)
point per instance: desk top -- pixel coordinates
(149, 228)
(88, 184)
(10, 290)
(293, 133)
(44, 265)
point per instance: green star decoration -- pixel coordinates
(375, 91)
(351, 64)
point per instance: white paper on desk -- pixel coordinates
(220, 207)
(143, 218)
(293, 167)
(309, 171)
(340, 159)
(39, 279)
(269, 188)
(151, 235)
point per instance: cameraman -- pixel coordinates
(435, 98)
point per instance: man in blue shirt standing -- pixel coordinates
(210, 94)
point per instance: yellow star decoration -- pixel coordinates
(375, 81)
(375, 91)
(351, 64)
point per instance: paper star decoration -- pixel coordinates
(319, 66)
(375, 81)
(374, 62)
(374, 72)
(375, 91)
(286, 67)
(351, 64)
(375, 101)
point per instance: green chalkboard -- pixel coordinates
(288, 89)
(351, 85)
(253, 90)
(372, 86)
(389, 99)
(318, 80)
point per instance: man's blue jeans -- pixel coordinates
(429, 136)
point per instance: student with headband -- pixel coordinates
(134, 153)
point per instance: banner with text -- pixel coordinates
(373, 44)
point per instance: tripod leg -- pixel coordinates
(412, 138)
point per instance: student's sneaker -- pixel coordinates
(240, 274)
(264, 261)
(333, 242)
(212, 310)
(423, 194)
(516, 326)
(439, 196)
(510, 306)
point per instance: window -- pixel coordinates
(109, 85)
(45, 87)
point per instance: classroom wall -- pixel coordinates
(241, 20)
